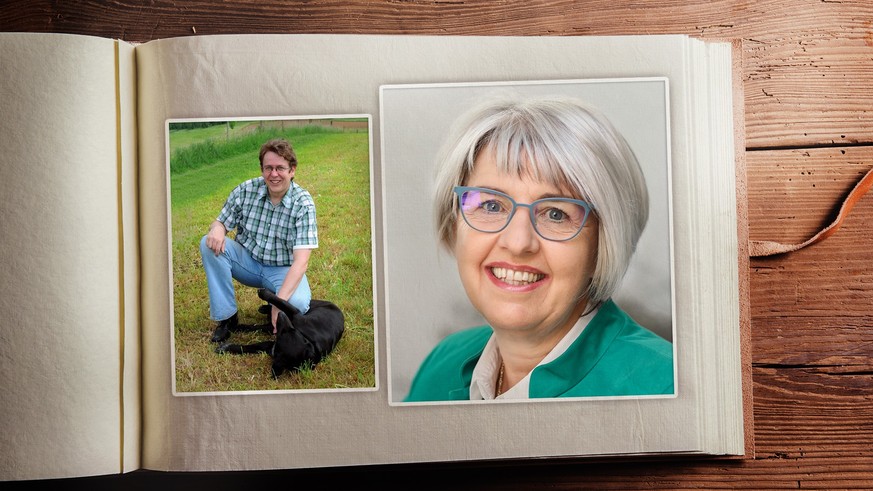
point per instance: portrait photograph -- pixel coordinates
(272, 262)
(527, 241)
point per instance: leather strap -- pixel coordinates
(758, 248)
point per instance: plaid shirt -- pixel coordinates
(271, 233)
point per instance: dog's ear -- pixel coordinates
(283, 323)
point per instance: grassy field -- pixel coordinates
(206, 163)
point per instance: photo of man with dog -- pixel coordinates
(261, 244)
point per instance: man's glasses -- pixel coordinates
(269, 169)
(490, 211)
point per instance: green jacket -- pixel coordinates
(614, 356)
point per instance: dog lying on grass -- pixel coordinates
(300, 339)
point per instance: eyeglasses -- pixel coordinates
(490, 211)
(269, 170)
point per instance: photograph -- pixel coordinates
(528, 240)
(272, 254)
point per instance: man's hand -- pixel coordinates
(274, 317)
(292, 279)
(215, 237)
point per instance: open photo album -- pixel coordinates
(261, 252)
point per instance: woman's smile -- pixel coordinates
(514, 276)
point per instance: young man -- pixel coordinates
(276, 231)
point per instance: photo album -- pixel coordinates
(257, 252)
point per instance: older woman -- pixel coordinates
(542, 203)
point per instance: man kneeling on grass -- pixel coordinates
(276, 231)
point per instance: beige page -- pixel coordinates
(68, 308)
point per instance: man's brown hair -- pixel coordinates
(282, 148)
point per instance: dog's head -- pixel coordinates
(292, 349)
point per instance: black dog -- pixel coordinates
(299, 338)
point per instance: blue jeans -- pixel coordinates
(237, 263)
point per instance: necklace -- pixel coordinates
(499, 389)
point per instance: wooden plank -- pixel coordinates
(818, 285)
(837, 343)
(808, 74)
(818, 411)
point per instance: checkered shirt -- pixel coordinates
(271, 233)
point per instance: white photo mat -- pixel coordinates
(424, 297)
(282, 121)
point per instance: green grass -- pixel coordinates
(334, 168)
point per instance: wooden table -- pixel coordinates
(808, 81)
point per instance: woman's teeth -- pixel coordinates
(516, 278)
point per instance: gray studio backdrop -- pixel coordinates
(424, 298)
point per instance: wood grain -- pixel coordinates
(808, 83)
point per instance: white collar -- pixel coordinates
(484, 381)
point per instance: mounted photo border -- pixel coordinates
(206, 159)
(424, 298)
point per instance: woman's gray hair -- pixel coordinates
(565, 143)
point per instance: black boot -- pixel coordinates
(222, 331)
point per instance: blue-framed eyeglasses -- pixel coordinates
(490, 211)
